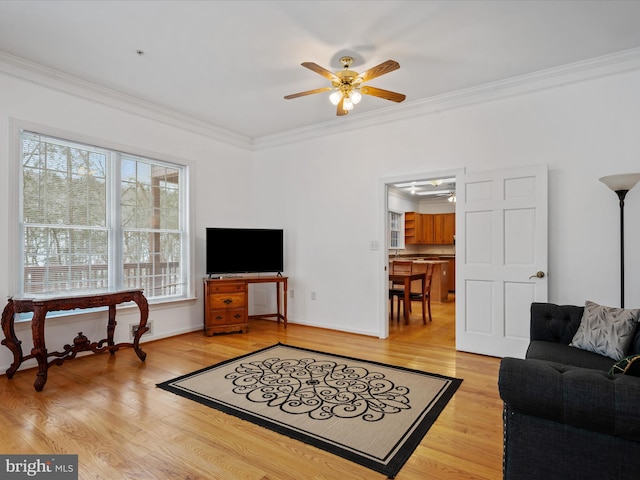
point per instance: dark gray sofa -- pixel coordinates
(553, 327)
(565, 417)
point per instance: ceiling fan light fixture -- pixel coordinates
(346, 85)
(335, 97)
(347, 104)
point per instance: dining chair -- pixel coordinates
(397, 288)
(424, 297)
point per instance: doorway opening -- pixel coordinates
(415, 209)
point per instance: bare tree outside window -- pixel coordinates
(72, 238)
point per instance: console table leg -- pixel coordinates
(278, 315)
(41, 376)
(111, 327)
(10, 339)
(39, 350)
(285, 302)
(143, 305)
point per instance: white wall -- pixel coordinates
(325, 191)
(217, 170)
(440, 205)
(400, 203)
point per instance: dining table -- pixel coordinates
(406, 279)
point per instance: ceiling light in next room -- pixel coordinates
(435, 192)
(432, 182)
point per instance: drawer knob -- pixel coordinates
(219, 317)
(237, 315)
(228, 301)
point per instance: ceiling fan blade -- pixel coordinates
(321, 71)
(341, 110)
(308, 92)
(386, 94)
(385, 67)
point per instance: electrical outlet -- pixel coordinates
(313, 295)
(291, 294)
(133, 327)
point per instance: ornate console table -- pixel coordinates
(40, 305)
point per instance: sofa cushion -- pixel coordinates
(635, 343)
(555, 323)
(559, 323)
(628, 366)
(579, 397)
(608, 331)
(557, 352)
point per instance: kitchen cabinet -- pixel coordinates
(429, 229)
(410, 228)
(444, 228)
(452, 272)
(418, 228)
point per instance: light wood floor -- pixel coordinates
(107, 410)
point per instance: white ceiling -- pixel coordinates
(229, 63)
(433, 190)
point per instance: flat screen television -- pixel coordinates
(244, 250)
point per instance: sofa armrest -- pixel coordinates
(554, 323)
(579, 397)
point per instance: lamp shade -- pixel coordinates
(623, 181)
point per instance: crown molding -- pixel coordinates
(63, 82)
(627, 60)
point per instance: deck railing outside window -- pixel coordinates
(94, 218)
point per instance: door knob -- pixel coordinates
(537, 275)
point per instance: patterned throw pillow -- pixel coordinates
(628, 365)
(606, 330)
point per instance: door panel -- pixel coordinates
(479, 227)
(478, 319)
(502, 241)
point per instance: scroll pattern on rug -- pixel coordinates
(321, 389)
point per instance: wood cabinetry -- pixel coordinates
(226, 303)
(418, 228)
(225, 306)
(452, 273)
(426, 231)
(444, 228)
(449, 228)
(410, 227)
(429, 229)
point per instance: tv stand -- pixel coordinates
(226, 306)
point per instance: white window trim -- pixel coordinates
(15, 201)
(401, 244)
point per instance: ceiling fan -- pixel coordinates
(347, 85)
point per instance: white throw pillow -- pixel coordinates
(606, 330)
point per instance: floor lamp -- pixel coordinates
(621, 184)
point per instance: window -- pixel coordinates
(396, 229)
(93, 218)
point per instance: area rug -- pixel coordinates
(370, 413)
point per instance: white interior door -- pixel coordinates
(501, 244)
